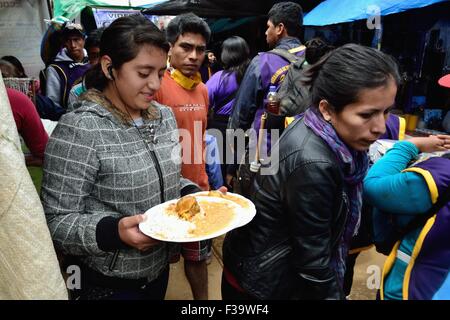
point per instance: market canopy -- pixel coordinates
(221, 8)
(71, 8)
(339, 11)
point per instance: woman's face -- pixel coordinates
(136, 81)
(359, 124)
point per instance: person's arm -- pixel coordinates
(188, 187)
(390, 189)
(247, 98)
(53, 86)
(70, 172)
(213, 169)
(29, 126)
(309, 200)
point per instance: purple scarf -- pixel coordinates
(354, 165)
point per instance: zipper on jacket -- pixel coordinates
(160, 175)
(344, 203)
(154, 158)
(275, 256)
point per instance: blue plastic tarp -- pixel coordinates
(339, 11)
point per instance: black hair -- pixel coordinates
(93, 39)
(17, 64)
(235, 56)
(341, 74)
(121, 41)
(184, 23)
(290, 14)
(316, 48)
(7, 69)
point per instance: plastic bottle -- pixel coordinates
(273, 102)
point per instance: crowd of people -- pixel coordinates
(134, 112)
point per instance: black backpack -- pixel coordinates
(295, 97)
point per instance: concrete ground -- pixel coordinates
(367, 275)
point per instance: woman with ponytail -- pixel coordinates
(309, 209)
(110, 160)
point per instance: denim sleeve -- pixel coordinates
(213, 169)
(389, 189)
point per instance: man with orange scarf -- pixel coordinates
(182, 90)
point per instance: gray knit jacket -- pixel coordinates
(97, 170)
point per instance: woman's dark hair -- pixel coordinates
(17, 64)
(340, 75)
(8, 70)
(235, 56)
(121, 41)
(187, 22)
(290, 14)
(316, 48)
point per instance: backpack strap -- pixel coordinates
(288, 55)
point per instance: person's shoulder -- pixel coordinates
(18, 99)
(201, 86)
(16, 94)
(166, 79)
(307, 148)
(86, 116)
(214, 78)
(167, 85)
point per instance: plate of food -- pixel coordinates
(192, 218)
(249, 209)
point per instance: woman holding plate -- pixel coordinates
(113, 158)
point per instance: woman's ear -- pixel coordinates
(106, 64)
(326, 110)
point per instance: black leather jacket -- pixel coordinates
(285, 251)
